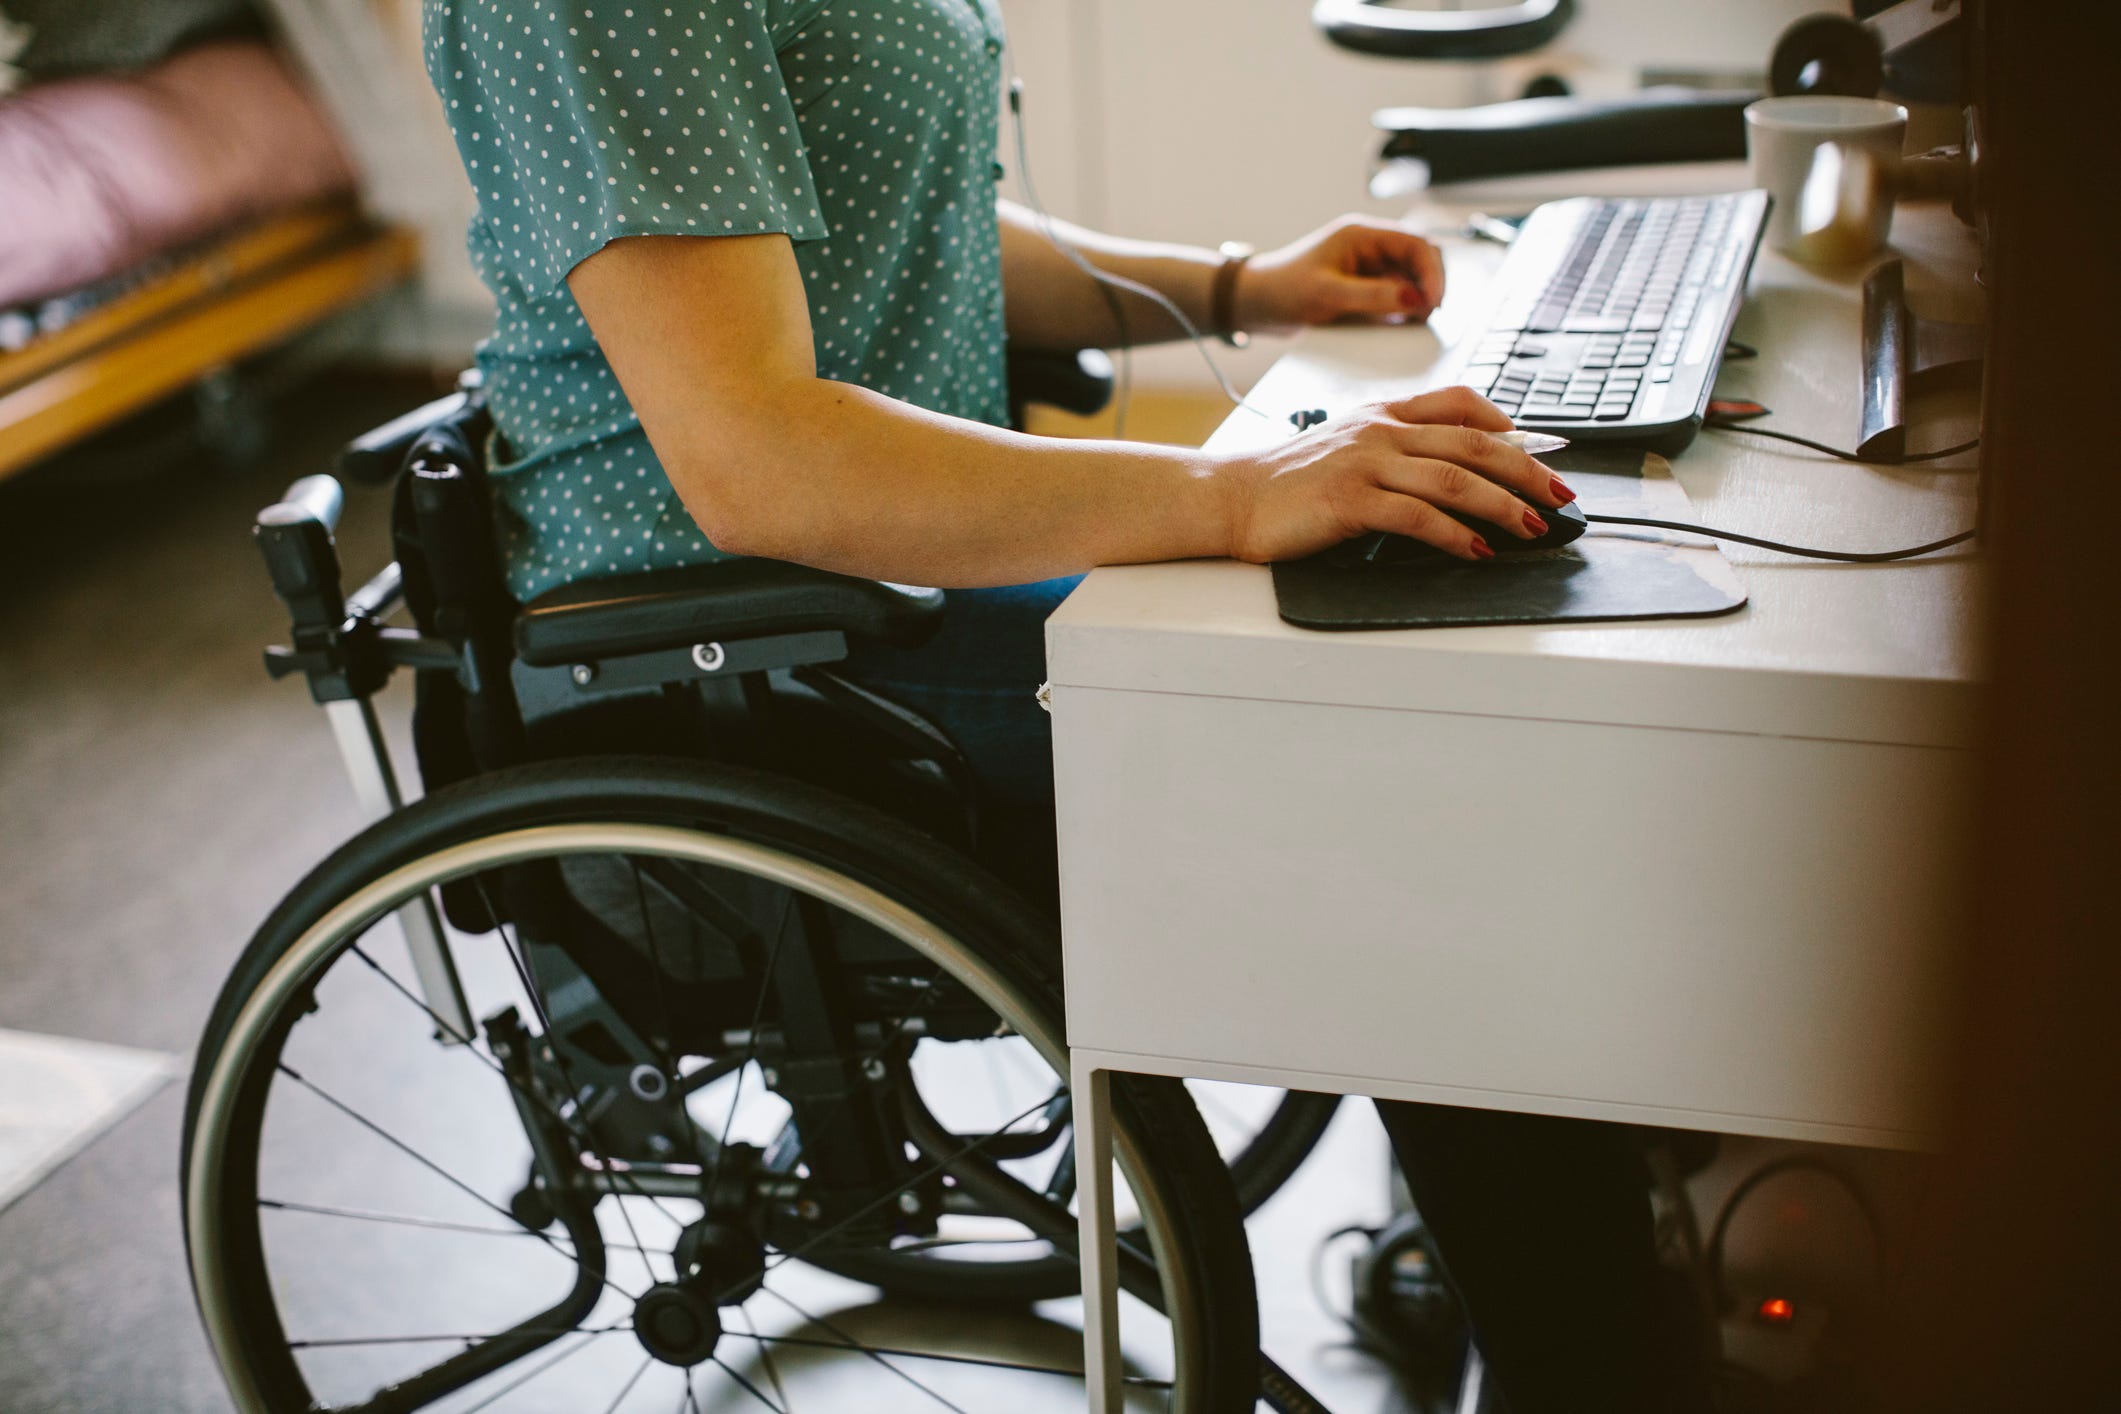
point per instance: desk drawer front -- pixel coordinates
(1744, 929)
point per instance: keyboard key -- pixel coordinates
(1595, 324)
(1633, 360)
(1609, 412)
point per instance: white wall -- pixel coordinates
(1213, 120)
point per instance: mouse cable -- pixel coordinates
(1779, 435)
(1123, 394)
(1860, 557)
(1106, 280)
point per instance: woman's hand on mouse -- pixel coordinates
(1392, 467)
(1358, 267)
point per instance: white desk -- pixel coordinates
(1690, 873)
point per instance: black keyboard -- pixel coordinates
(1610, 315)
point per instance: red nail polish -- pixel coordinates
(1561, 491)
(1411, 297)
(1534, 521)
(1483, 549)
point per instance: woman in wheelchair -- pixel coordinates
(719, 955)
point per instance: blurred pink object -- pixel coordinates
(100, 172)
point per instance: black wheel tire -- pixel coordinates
(1020, 942)
(1274, 1154)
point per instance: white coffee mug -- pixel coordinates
(1831, 164)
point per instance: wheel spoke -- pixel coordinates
(285, 1205)
(751, 1039)
(853, 1344)
(994, 1077)
(662, 993)
(937, 1244)
(335, 1342)
(586, 1132)
(880, 1200)
(896, 1352)
(890, 1039)
(627, 1388)
(404, 1148)
(536, 1370)
(563, 1111)
(616, 1174)
(749, 1388)
(468, 1042)
(766, 1360)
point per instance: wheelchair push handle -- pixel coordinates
(319, 498)
(295, 536)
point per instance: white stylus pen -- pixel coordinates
(1536, 444)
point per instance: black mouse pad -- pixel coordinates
(1611, 572)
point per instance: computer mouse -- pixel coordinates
(1564, 524)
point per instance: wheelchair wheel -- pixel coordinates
(715, 1019)
(1264, 1135)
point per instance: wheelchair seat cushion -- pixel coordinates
(727, 599)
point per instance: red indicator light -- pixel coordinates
(1776, 1311)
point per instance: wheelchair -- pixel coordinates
(693, 980)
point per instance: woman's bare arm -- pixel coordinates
(711, 341)
(1355, 268)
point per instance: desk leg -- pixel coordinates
(1091, 1089)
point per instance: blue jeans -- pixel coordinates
(978, 680)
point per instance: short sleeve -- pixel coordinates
(611, 119)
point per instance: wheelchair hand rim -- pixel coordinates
(304, 961)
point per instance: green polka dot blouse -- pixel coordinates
(862, 129)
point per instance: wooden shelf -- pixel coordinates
(234, 299)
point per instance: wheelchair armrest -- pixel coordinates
(1077, 380)
(376, 457)
(729, 599)
(1369, 27)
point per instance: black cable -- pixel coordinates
(1836, 452)
(1861, 557)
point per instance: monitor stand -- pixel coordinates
(1904, 357)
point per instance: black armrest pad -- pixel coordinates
(1077, 380)
(729, 599)
(377, 456)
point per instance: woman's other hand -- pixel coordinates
(1359, 267)
(1388, 466)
